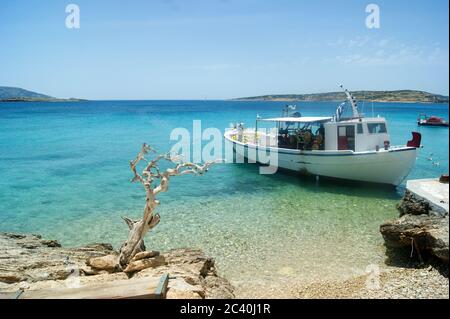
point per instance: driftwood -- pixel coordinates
(154, 181)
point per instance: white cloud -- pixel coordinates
(383, 42)
(435, 54)
(302, 61)
(215, 67)
(358, 42)
(380, 53)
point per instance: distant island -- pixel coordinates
(408, 96)
(14, 94)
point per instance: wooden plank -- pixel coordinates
(161, 290)
(11, 295)
(141, 288)
(17, 294)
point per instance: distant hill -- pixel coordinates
(14, 94)
(410, 96)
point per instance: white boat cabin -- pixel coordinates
(359, 135)
(327, 134)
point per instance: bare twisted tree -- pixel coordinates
(154, 181)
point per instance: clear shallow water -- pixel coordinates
(64, 174)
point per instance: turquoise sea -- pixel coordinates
(64, 174)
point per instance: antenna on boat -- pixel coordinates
(339, 111)
(352, 101)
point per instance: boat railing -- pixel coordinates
(396, 147)
(249, 136)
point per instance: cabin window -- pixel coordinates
(376, 128)
(360, 128)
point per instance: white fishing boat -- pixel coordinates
(353, 148)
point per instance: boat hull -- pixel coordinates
(384, 166)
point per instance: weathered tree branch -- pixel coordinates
(149, 178)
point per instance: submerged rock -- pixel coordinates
(44, 264)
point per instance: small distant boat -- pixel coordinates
(431, 120)
(354, 148)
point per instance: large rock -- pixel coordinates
(413, 205)
(423, 222)
(199, 270)
(192, 260)
(143, 263)
(145, 254)
(109, 263)
(180, 289)
(428, 234)
(217, 287)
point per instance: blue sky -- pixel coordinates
(188, 49)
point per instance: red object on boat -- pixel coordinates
(443, 178)
(431, 120)
(415, 142)
(342, 143)
(434, 119)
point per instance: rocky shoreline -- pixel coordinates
(422, 228)
(417, 243)
(30, 262)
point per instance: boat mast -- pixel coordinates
(352, 101)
